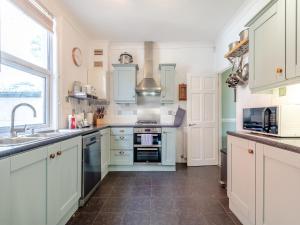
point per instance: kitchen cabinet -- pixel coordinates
(167, 82)
(241, 178)
(64, 178)
(277, 186)
(124, 80)
(168, 151)
(121, 145)
(267, 47)
(28, 188)
(105, 151)
(5, 191)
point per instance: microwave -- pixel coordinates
(281, 121)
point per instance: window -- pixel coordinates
(26, 65)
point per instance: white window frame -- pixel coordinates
(22, 65)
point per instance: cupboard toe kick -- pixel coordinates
(263, 183)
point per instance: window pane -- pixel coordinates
(20, 87)
(23, 37)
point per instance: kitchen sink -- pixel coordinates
(13, 141)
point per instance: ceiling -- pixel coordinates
(153, 20)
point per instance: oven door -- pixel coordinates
(147, 154)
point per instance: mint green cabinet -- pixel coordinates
(28, 188)
(64, 179)
(105, 151)
(124, 83)
(167, 82)
(5, 191)
(168, 151)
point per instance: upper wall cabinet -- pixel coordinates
(167, 82)
(124, 80)
(274, 55)
(267, 47)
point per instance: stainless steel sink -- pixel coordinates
(13, 141)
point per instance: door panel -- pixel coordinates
(202, 120)
(5, 191)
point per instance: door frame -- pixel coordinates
(218, 94)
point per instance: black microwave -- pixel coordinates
(262, 120)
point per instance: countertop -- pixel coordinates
(12, 150)
(289, 144)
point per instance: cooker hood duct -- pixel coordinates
(148, 85)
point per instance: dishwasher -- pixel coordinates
(91, 165)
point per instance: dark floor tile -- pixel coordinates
(234, 219)
(138, 204)
(93, 205)
(187, 203)
(162, 191)
(141, 191)
(82, 218)
(115, 205)
(210, 205)
(161, 218)
(103, 190)
(191, 217)
(106, 218)
(142, 181)
(218, 219)
(121, 191)
(225, 204)
(164, 204)
(136, 218)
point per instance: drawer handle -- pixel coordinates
(52, 156)
(250, 151)
(121, 131)
(59, 153)
(122, 137)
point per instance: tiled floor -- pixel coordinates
(189, 196)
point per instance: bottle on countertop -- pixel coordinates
(72, 120)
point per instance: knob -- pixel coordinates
(52, 156)
(279, 70)
(58, 153)
(192, 124)
(250, 151)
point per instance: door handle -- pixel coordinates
(192, 124)
(250, 151)
(52, 156)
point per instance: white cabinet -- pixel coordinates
(241, 178)
(64, 178)
(167, 82)
(5, 191)
(168, 152)
(28, 188)
(267, 45)
(277, 186)
(105, 151)
(124, 80)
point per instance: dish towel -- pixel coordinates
(146, 139)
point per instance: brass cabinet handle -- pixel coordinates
(279, 70)
(250, 151)
(52, 156)
(58, 153)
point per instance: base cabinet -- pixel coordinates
(28, 188)
(277, 186)
(5, 191)
(168, 151)
(105, 151)
(241, 178)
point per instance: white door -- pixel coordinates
(202, 117)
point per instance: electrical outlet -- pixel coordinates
(282, 91)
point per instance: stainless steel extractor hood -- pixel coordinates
(148, 85)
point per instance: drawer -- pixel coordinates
(121, 157)
(121, 142)
(121, 131)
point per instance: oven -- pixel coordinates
(147, 145)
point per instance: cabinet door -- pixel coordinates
(168, 85)
(121, 157)
(5, 192)
(105, 151)
(28, 190)
(168, 146)
(64, 178)
(241, 178)
(277, 186)
(124, 86)
(267, 47)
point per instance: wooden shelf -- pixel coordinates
(241, 49)
(90, 100)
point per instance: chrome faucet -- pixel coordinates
(13, 131)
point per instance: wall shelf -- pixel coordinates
(90, 100)
(241, 49)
